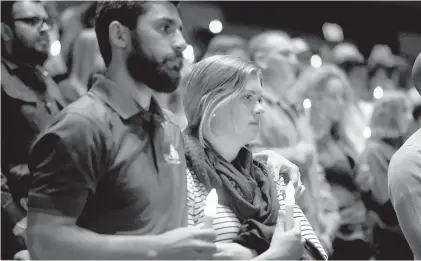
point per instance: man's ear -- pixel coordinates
(261, 60)
(119, 35)
(6, 32)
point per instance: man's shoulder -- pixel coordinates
(90, 108)
(407, 160)
(86, 116)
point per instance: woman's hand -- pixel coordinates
(279, 164)
(233, 251)
(286, 245)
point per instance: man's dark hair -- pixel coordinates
(125, 12)
(6, 11)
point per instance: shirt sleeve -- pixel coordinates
(66, 164)
(405, 194)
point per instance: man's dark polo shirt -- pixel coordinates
(116, 167)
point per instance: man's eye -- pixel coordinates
(166, 28)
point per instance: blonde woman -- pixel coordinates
(331, 98)
(86, 61)
(389, 124)
(223, 108)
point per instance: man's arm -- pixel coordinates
(405, 194)
(58, 237)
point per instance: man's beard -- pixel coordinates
(161, 77)
(28, 55)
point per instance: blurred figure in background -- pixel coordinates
(351, 61)
(86, 61)
(382, 64)
(284, 128)
(29, 99)
(228, 44)
(404, 181)
(73, 20)
(330, 94)
(55, 64)
(303, 53)
(389, 125)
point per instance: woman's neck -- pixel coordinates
(225, 147)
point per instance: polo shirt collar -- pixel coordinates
(122, 102)
(11, 66)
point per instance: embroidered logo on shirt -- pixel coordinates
(172, 157)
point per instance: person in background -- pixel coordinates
(284, 127)
(347, 57)
(227, 44)
(382, 65)
(404, 181)
(55, 64)
(303, 53)
(29, 100)
(86, 61)
(74, 20)
(219, 128)
(330, 94)
(389, 124)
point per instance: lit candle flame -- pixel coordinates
(210, 208)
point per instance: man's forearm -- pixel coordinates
(74, 243)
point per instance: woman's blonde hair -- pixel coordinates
(384, 121)
(211, 84)
(312, 83)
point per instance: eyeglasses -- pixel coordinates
(36, 21)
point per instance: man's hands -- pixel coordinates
(191, 243)
(279, 164)
(233, 251)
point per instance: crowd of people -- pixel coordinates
(110, 149)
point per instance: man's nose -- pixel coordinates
(179, 42)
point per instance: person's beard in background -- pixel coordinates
(27, 55)
(163, 77)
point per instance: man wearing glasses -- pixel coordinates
(29, 99)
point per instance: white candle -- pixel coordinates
(289, 206)
(210, 208)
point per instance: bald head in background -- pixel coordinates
(416, 73)
(274, 52)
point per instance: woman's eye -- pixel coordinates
(248, 97)
(260, 100)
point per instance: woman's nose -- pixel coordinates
(258, 109)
